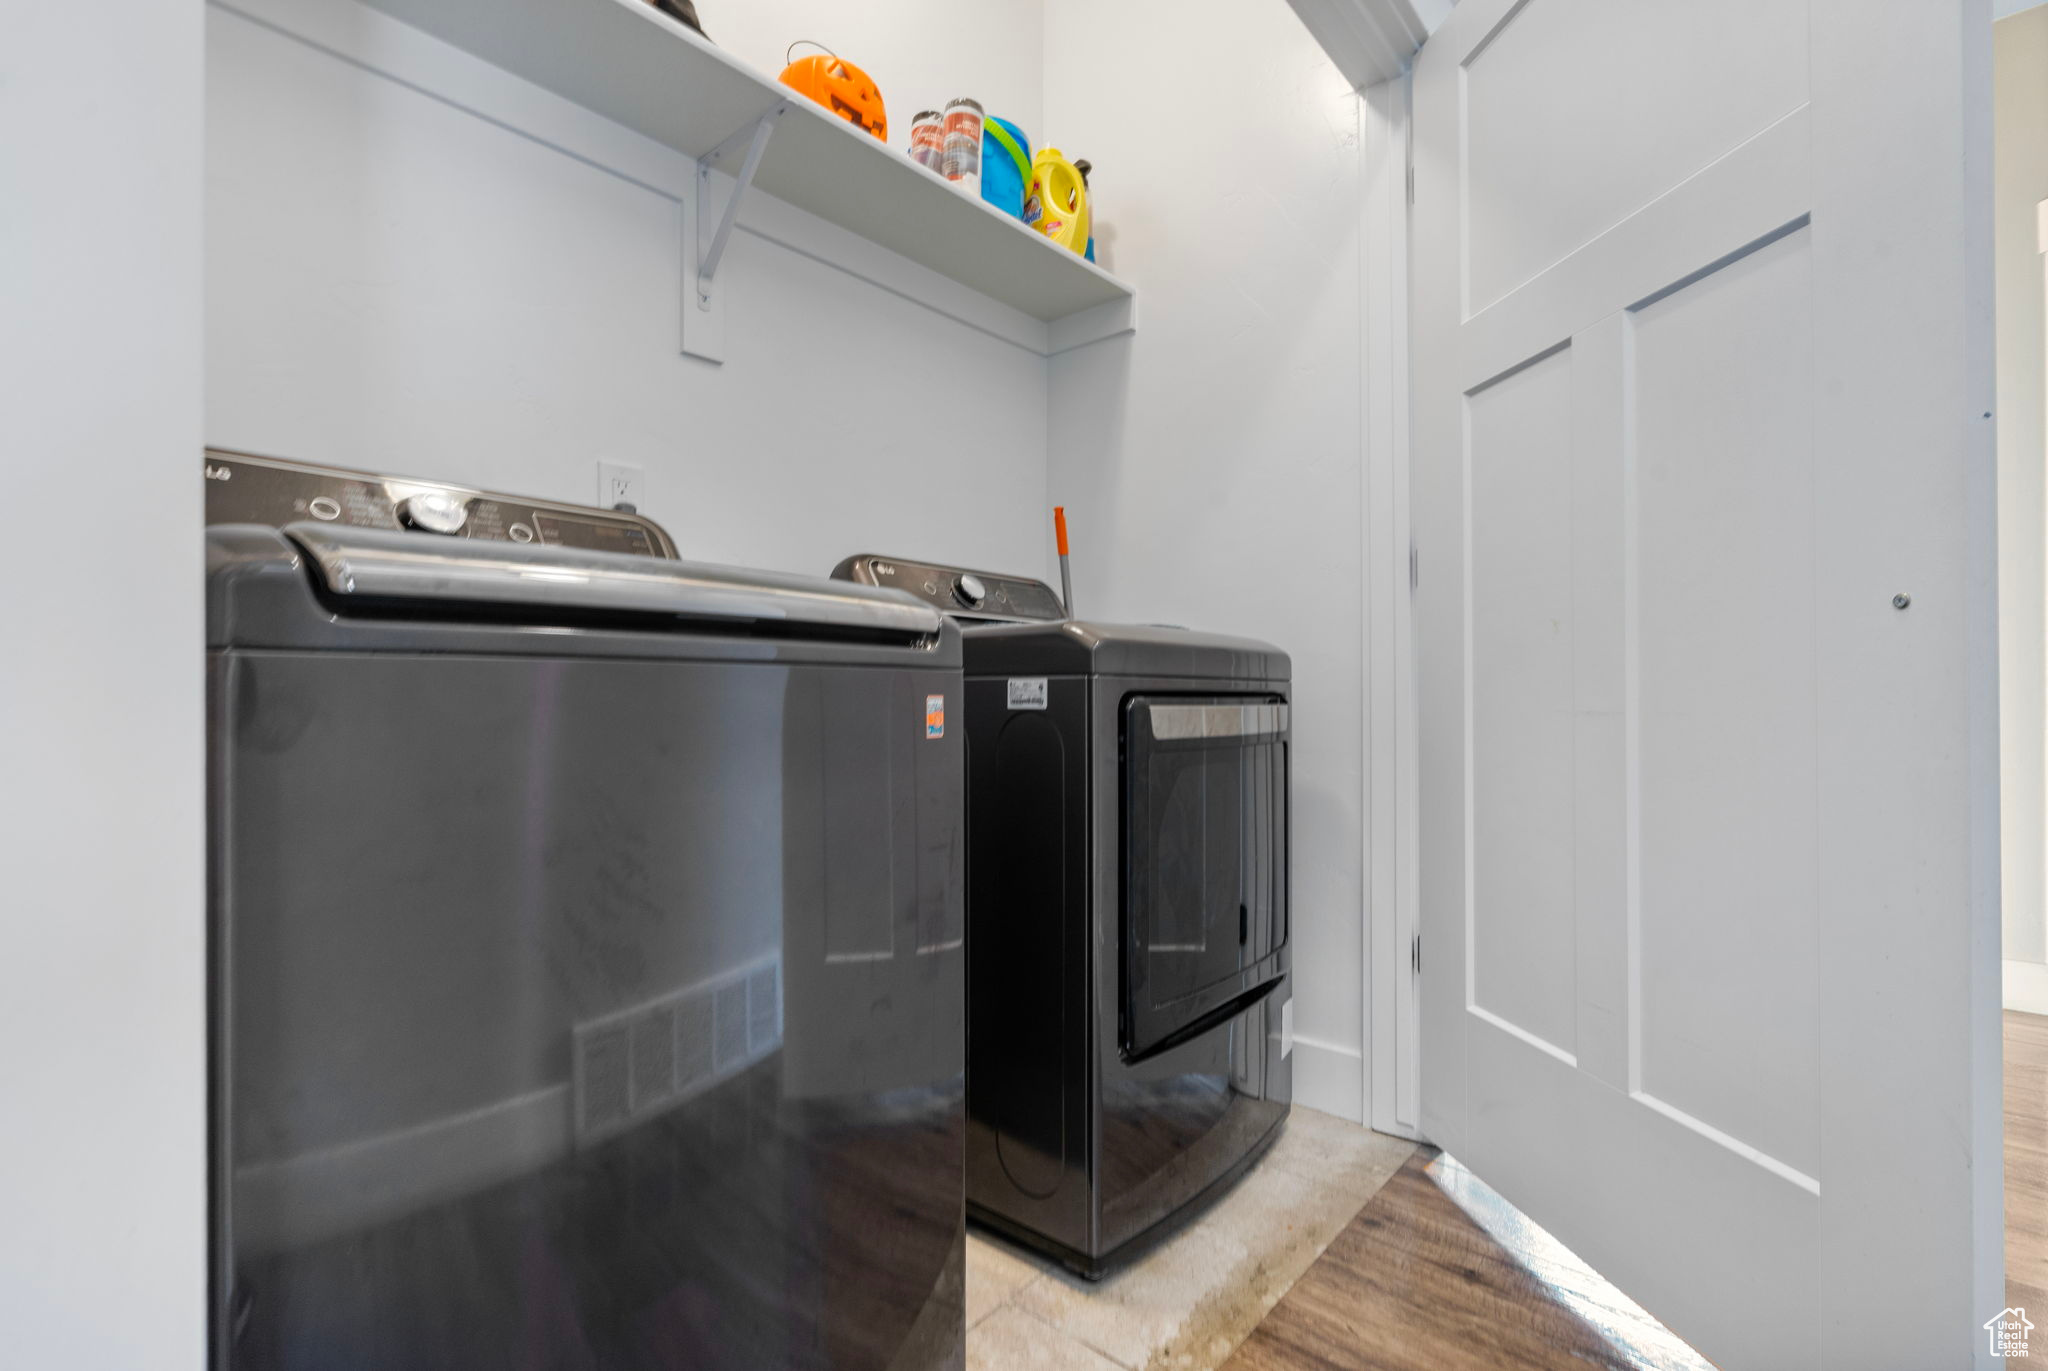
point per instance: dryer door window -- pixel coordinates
(1205, 871)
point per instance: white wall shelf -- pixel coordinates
(635, 66)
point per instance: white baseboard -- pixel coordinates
(2026, 987)
(1331, 1078)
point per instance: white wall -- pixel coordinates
(2020, 90)
(102, 929)
(1210, 463)
(397, 280)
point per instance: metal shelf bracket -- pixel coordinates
(755, 141)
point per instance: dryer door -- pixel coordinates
(1205, 862)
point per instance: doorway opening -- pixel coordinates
(2020, 189)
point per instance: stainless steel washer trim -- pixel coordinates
(381, 564)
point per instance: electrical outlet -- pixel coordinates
(619, 484)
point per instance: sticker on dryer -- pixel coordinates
(1027, 692)
(1287, 1026)
(934, 716)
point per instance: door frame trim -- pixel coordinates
(1391, 1063)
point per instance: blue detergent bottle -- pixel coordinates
(1005, 165)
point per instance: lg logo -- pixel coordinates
(214, 473)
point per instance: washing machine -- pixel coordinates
(587, 975)
(1129, 1006)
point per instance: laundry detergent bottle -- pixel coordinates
(1057, 203)
(1005, 166)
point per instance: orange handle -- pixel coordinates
(1059, 524)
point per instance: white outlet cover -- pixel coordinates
(619, 483)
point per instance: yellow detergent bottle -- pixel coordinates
(1057, 203)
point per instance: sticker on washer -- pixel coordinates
(934, 716)
(1027, 692)
(1287, 1026)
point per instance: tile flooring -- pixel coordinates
(1186, 1304)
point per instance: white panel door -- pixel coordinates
(1708, 821)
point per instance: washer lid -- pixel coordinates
(379, 567)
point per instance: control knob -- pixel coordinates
(436, 511)
(969, 590)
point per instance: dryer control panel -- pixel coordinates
(242, 488)
(975, 596)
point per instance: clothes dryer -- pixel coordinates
(1129, 996)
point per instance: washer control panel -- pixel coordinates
(245, 489)
(982, 596)
(436, 511)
